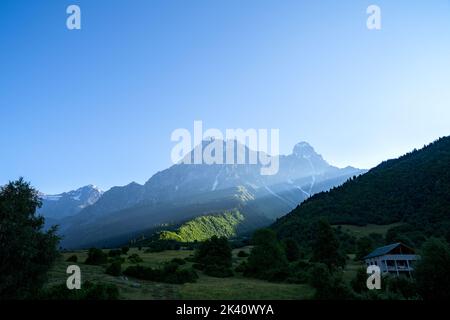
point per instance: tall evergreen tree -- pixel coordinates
(364, 246)
(292, 250)
(26, 251)
(432, 270)
(214, 251)
(326, 246)
(267, 258)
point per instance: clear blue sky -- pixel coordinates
(98, 105)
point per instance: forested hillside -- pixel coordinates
(413, 189)
(204, 227)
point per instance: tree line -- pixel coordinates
(27, 252)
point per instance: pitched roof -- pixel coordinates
(382, 250)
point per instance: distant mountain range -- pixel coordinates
(412, 191)
(69, 203)
(184, 192)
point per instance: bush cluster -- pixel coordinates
(96, 257)
(72, 258)
(135, 258)
(214, 257)
(242, 254)
(114, 269)
(114, 253)
(170, 273)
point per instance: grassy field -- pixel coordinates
(351, 268)
(359, 232)
(210, 288)
(240, 288)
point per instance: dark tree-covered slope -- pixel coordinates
(413, 189)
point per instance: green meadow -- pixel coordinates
(364, 231)
(206, 287)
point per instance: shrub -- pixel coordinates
(392, 288)
(267, 259)
(241, 267)
(359, 283)
(218, 271)
(114, 269)
(178, 261)
(144, 273)
(329, 285)
(96, 257)
(278, 274)
(180, 276)
(215, 251)
(292, 250)
(432, 270)
(214, 257)
(170, 267)
(170, 273)
(198, 266)
(242, 254)
(363, 247)
(125, 250)
(298, 272)
(190, 259)
(135, 258)
(302, 264)
(114, 253)
(402, 286)
(119, 259)
(72, 258)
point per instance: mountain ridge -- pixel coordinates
(413, 189)
(69, 203)
(199, 189)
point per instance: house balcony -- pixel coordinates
(398, 268)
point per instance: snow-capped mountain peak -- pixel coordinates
(69, 203)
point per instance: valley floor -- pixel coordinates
(208, 288)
